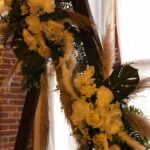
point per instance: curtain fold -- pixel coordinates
(43, 133)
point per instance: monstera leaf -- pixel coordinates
(122, 81)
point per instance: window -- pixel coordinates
(134, 29)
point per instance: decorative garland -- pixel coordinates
(101, 119)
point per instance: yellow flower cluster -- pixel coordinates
(46, 5)
(85, 83)
(34, 6)
(53, 31)
(104, 115)
(33, 38)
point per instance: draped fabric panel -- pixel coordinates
(134, 31)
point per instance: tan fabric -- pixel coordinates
(43, 125)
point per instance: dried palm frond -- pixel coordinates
(139, 123)
(108, 52)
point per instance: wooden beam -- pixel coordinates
(27, 118)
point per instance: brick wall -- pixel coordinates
(11, 102)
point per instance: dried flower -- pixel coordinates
(46, 5)
(80, 108)
(33, 23)
(54, 31)
(93, 119)
(85, 83)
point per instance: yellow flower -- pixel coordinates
(33, 23)
(43, 50)
(88, 90)
(80, 108)
(8, 3)
(36, 43)
(46, 5)
(93, 119)
(24, 8)
(113, 122)
(101, 141)
(54, 30)
(115, 147)
(85, 132)
(85, 83)
(104, 97)
(30, 40)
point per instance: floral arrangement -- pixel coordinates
(41, 31)
(100, 114)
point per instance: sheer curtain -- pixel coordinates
(134, 30)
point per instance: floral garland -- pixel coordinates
(98, 115)
(41, 32)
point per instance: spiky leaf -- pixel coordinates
(122, 81)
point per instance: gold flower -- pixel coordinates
(43, 50)
(113, 122)
(115, 147)
(46, 5)
(85, 83)
(54, 31)
(33, 23)
(104, 97)
(101, 141)
(30, 40)
(93, 119)
(80, 108)
(24, 8)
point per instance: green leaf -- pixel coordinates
(122, 81)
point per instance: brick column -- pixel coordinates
(11, 102)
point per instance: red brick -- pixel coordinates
(3, 114)
(11, 102)
(12, 138)
(8, 145)
(7, 133)
(13, 126)
(8, 121)
(8, 108)
(3, 127)
(3, 139)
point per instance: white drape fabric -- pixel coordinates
(134, 30)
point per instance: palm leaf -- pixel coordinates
(122, 81)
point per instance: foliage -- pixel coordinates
(122, 81)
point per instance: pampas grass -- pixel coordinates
(131, 142)
(143, 85)
(139, 123)
(108, 53)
